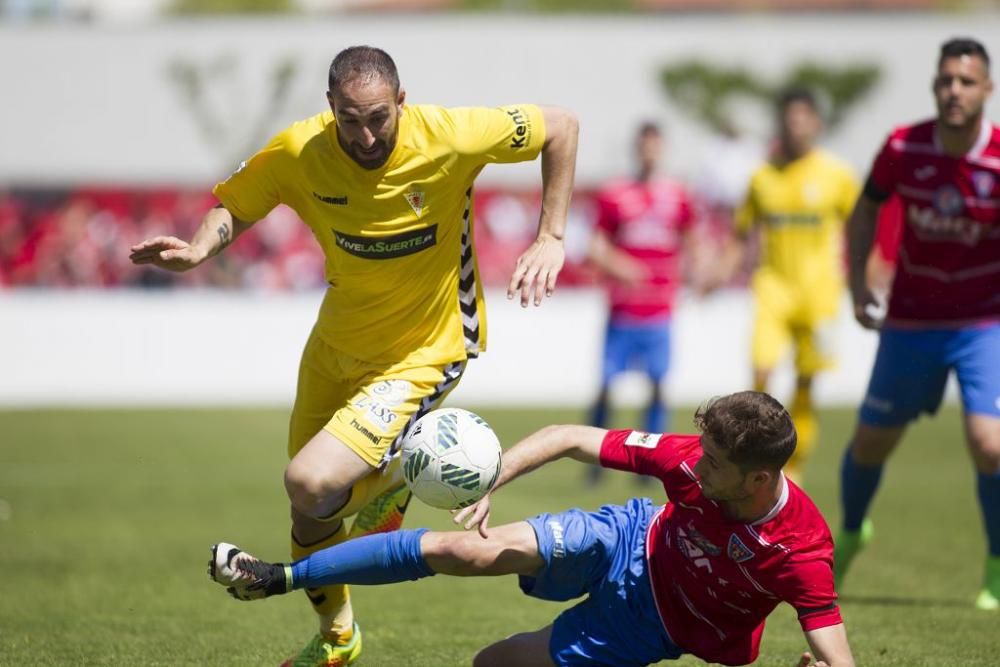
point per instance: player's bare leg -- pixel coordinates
(983, 436)
(509, 549)
(861, 473)
(525, 649)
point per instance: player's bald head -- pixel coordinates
(363, 64)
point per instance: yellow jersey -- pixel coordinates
(403, 282)
(800, 208)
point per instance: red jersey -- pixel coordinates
(715, 579)
(646, 221)
(948, 266)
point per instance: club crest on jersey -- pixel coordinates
(737, 550)
(983, 182)
(948, 200)
(640, 439)
(416, 199)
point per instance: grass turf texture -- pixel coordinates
(106, 518)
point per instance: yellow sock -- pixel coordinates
(807, 429)
(332, 603)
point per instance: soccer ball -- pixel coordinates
(450, 458)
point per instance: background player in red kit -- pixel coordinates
(642, 225)
(698, 575)
(944, 307)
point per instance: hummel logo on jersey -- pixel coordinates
(336, 201)
(925, 172)
(737, 550)
(387, 247)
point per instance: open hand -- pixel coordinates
(166, 252)
(806, 661)
(477, 514)
(537, 269)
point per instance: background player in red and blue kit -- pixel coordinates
(699, 575)
(642, 224)
(944, 308)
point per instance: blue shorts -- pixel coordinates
(641, 347)
(603, 555)
(911, 370)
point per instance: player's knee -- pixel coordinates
(985, 445)
(872, 445)
(308, 490)
(494, 655)
(452, 552)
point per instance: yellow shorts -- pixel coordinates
(367, 406)
(786, 314)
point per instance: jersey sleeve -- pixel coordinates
(252, 190)
(644, 453)
(747, 212)
(514, 133)
(882, 179)
(806, 583)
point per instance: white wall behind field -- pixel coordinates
(223, 348)
(102, 104)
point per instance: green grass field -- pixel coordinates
(106, 518)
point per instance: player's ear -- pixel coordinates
(400, 98)
(329, 100)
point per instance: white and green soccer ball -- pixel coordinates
(450, 458)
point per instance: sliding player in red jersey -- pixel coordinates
(698, 575)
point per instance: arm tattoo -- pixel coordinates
(225, 237)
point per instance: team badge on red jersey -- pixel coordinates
(983, 182)
(640, 439)
(948, 200)
(737, 550)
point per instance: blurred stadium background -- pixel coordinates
(119, 115)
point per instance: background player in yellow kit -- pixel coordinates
(387, 190)
(798, 201)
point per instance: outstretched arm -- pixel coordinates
(217, 230)
(582, 443)
(538, 267)
(830, 647)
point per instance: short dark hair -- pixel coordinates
(648, 127)
(789, 96)
(366, 62)
(753, 428)
(963, 46)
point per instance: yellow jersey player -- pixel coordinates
(386, 189)
(798, 202)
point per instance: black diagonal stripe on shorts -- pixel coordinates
(452, 374)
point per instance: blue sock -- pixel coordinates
(989, 502)
(858, 485)
(383, 558)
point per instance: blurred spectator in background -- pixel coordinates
(642, 226)
(797, 202)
